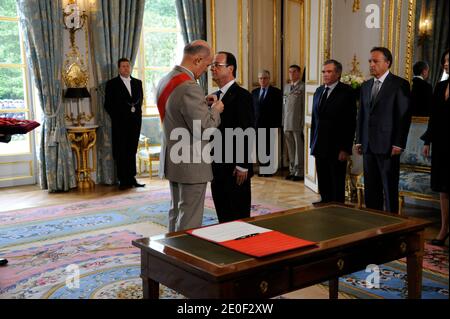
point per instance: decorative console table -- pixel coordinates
(82, 139)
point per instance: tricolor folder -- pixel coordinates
(249, 239)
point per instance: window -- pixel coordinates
(13, 77)
(160, 49)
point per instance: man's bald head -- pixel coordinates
(197, 47)
(197, 56)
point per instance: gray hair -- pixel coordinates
(336, 64)
(264, 72)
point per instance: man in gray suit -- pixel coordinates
(181, 101)
(293, 123)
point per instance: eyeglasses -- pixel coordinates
(216, 65)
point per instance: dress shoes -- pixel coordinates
(136, 184)
(289, 177)
(439, 242)
(3, 261)
(297, 178)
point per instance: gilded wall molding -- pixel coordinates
(390, 43)
(316, 81)
(240, 79)
(383, 24)
(397, 37)
(308, 95)
(410, 38)
(275, 43)
(327, 30)
(274, 72)
(394, 35)
(301, 39)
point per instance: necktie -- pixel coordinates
(292, 88)
(261, 96)
(375, 89)
(323, 99)
(218, 93)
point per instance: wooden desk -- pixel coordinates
(348, 240)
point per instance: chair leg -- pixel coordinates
(401, 203)
(150, 173)
(359, 194)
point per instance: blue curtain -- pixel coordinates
(42, 25)
(116, 29)
(191, 15)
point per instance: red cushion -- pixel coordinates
(14, 126)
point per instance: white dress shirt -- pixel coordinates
(225, 88)
(127, 82)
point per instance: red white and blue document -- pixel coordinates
(250, 239)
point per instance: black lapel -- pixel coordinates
(368, 92)
(331, 97)
(319, 96)
(230, 93)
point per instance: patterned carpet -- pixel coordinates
(42, 244)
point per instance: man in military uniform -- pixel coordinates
(293, 123)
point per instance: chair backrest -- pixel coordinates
(412, 156)
(151, 128)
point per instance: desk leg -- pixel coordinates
(333, 285)
(414, 270)
(150, 288)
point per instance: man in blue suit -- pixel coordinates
(332, 132)
(268, 108)
(383, 125)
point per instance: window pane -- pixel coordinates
(10, 42)
(160, 49)
(14, 115)
(15, 89)
(160, 14)
(151, 110)
(8, 8)
(152, 78)
(19, 143)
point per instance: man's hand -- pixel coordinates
(211, 99)
(358, 149)
(426, 150)
(218, 106)
(396, 151)
(241, 177)
(343, 156)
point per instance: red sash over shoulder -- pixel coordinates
(172, 85)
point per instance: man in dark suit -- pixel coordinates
(268, 108)
(422, 91)
(123, 101)
(383, 125)
(231, 184)
(332, 132)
